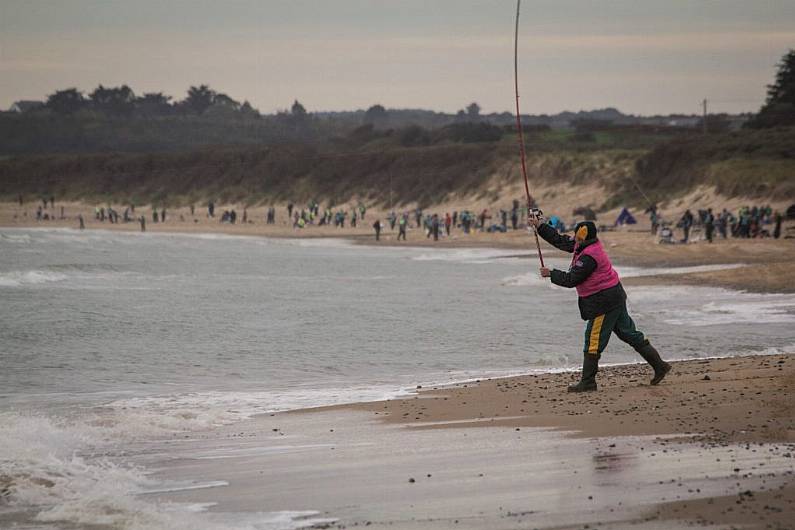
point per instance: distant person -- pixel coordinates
(82, 222)
(245, 215)
(723, 223)
(709, 224)
(192, 208)
(602, 299)
(232, 216)
(654, 218)
(418, 217)
(163, 215)
(744, 224)
(686, 222)
(154, 215)
(466, 220)
(483, 216)
(377, 228)
(777, 218)
(402, 223)
(142, 220)
(353, 219)
(211, 209)
(289, 209)
(39, 212)
(448, 223)
(435, 227)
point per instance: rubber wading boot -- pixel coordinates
(590, 365)
(650, 355)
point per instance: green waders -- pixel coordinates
(597, 335)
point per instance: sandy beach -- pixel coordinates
(728, 400)
(768, 264)
(711, 447)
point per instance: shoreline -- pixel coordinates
(768, 266)
(627, 456)
(754, 379)
(714, 403)
(712, 444)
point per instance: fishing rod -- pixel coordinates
(530, 210)
(637, 187)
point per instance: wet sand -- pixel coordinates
(738, 399)
(518, 453)
(769, 264)
(714, 403)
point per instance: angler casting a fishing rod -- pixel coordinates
(602, 300)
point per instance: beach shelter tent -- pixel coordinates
(625, 218)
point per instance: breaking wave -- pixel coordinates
(479, 256)
(56, 472)
(33, 277)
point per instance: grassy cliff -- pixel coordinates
(421, 168)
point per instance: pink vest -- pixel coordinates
(603, 277)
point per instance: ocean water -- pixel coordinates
(111, 339)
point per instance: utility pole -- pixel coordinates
(704, 119)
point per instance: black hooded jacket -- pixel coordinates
(583, 266)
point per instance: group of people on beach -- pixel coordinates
(749, 222)
(42, 211)
(706, 224)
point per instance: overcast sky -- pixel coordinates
(641, 56)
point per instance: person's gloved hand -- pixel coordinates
(545, 272)
(535, 217)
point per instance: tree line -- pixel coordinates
(122, 101)
(115, 118)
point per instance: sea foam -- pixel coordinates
(32, 277)
(57, 471)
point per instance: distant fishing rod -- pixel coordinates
(530, 211)
(637, 187)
